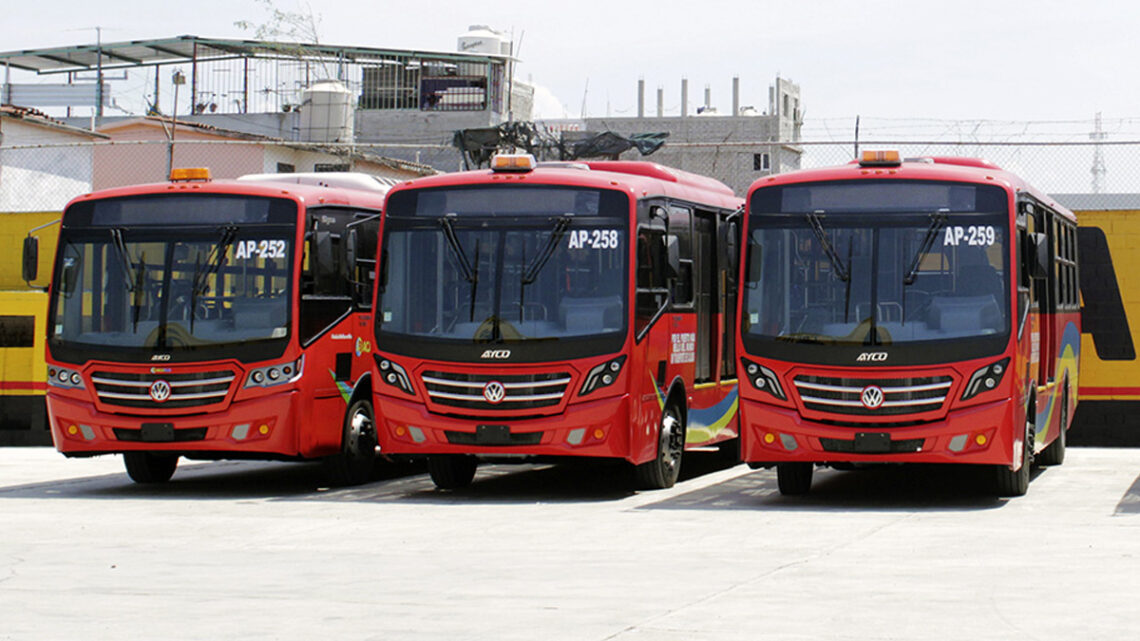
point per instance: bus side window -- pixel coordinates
(680, 241)
(652, 284)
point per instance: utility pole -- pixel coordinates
(1098, 169)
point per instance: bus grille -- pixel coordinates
(184, 390)
(900, 396)
(518, 391)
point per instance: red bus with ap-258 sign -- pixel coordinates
(573, 310)
(923, 311)
(213, 319)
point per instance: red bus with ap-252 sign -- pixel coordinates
(213, 319)
(565, 310)
(924, 311)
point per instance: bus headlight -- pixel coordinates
(602, 375)
(985, 379)
(66, 378)
(275, 374)
(763, 379)
(395, 376)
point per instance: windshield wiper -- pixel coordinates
(132, 279)
(470, 274)
(840, 270)
(213, 264)
(937, 220)
(543, 256)
(530, 274)
(837, 265)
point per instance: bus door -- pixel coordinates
(707, 297)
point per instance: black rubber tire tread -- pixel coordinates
(149, 469)
(355, 463)
(1009, 483)
(1054, 454)
(659, 473)
(452, 471)
(794, 479)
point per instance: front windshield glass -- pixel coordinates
(136, 276)
(504, 265)
(877, 263)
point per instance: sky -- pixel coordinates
(911, 67)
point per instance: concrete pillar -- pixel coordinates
(660, 102)
(736, 95)
(641, 97)
(684, 97)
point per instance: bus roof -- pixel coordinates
(949, 168)
(639, 178)
(309, 194)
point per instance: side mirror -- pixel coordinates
(325, 275)
(673, 255)
(349, 243)
(755, 262)
(31, 258)
(68, 276)
(1042, 261)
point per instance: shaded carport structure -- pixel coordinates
(194, 51)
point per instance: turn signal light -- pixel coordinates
(189, 173)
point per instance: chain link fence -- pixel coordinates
(43, 178)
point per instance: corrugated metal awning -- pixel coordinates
(185, 49)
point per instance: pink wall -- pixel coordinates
(130, 164)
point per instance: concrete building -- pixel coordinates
(735, 147)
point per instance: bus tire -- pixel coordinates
(452, 471)
(1010, 483)
(663, 470)
(1055, 453)
(794, 479)
(356, 461)
(147, 468)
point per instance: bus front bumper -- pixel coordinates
(597, 429)
(981, 435)
(262, 427)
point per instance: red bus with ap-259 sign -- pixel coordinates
(213, 319)
(570, 310)
(923, 311)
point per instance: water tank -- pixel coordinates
(327, 112)
(483, 39)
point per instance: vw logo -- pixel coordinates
(872, 397)
(159, 391)
(494, 392)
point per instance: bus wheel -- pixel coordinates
(794, 479)
(452, 471)
(1055, 453)
(356, 460)
(662, 472)
(1010, 483)
(144, 467)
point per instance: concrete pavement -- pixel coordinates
(249, 550)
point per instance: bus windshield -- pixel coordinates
(877, 264)
(504, 265)
(216, 290)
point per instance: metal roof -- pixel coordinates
(1099, 202)
(186, 49)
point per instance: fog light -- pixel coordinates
(240, 431)
(576, 435)
(789, 442)
(417, 434)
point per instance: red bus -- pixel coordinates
(570, 310)
(924, 311)
(212, 319)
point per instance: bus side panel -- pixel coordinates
(1109, 392)
(330, 363)
(1052, 397)
(23, 415)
